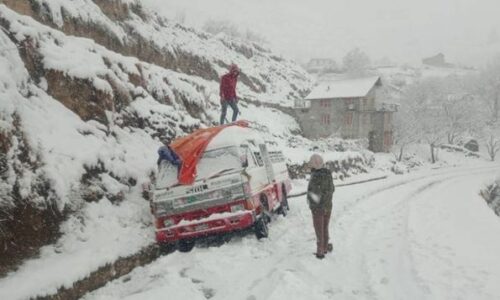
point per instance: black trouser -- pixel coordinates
(321, 221)
(234, 107)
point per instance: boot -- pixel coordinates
(320, 256)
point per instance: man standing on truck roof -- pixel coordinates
(228, 93)
(166, 153)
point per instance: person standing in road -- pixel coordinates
(319, 197)
(228, 93)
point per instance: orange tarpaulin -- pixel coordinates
(190, 149)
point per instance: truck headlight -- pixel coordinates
(168, 222)
(237, 207)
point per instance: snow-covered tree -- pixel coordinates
(491, 139)
(420, 103)
(356, 62)
(461, 109)
(253, 36)
(487, 88)
(229, 28)
(222, 26)
(180, 17)
(405, 131)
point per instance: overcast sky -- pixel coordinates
(402, 30)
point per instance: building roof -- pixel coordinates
(344, 88)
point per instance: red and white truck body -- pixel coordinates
(239, 182)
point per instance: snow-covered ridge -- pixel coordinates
(128, 28)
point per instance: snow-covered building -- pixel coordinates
(437, 60)
(348, 107)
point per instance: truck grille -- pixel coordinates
(200, 201)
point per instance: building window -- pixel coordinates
(325, 119)
(324, 103)
(387, 139)
(366, 119)
(349, 103)
(348, 118)
(387, 120)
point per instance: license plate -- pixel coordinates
(201, 227)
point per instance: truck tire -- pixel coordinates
(166, 248)
(265, 212)
(186, 245)
(284, 207)
(261, 228)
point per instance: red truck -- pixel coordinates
(239, 182)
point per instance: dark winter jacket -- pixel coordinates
(228, 87)
(166, 153)
(320, 189)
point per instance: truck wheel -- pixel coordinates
(186, 245)
(284, 208)
(265, 213)
(166, 248)
(261, 229)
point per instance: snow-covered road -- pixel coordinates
(427, 235)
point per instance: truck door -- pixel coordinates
(267, 162)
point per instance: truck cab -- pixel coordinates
(239, 183)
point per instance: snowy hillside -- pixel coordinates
(81, 115)
(128, 28)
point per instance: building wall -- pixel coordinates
(322, 118)
(382, 131)
(349, 118)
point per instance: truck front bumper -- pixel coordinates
(207, 226)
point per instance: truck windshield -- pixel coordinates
(213, 163)
(217, 160)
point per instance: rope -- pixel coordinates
(342, 185)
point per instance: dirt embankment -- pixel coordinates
(105, 274)
(27, 220)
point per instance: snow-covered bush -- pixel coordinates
(491, 194)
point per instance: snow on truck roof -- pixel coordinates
(190, 148)
(344, 88)
(233, 135)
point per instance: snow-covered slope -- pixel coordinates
(81, 119)
(128, 28)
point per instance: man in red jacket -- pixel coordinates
(228, 93)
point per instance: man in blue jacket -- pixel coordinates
(166, 153)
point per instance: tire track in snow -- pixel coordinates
(283, 266)
(364, 222)
(435, 221)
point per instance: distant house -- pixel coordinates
(437, 60)
(349, 107)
